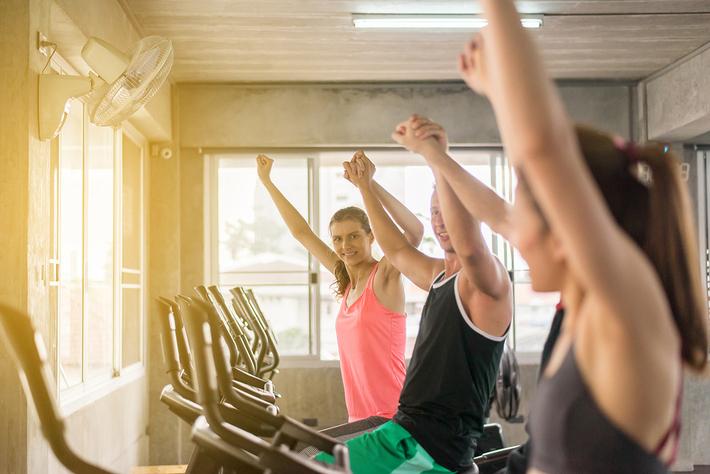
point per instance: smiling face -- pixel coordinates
(437, 224)
(351, 242)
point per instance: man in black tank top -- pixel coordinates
(450, 378)
(462, 331)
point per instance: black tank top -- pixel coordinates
(570, 434)
(450, 377)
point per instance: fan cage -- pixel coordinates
(151, 60)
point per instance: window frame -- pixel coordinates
(211, 226)
(90, 389)
(141, 142)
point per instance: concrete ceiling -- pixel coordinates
(248, 41)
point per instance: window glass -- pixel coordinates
(71, 320)
(86, 276)
(287, 310)
(131, 326)
(131, 255)
(257, 250)
(252, 235)
(99, 265)
(533, 310)
(132, 166)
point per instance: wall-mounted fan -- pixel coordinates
(123, 83)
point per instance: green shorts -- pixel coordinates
(390, 449)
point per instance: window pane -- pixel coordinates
(287, 310)
(252, 235)
(71, 262)
(131, 208)
(131, 238)
(131, 322)
(257, 250)
(533, 311)
(99, 229)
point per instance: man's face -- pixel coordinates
(437, 224)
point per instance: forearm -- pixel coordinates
(389, 237)
(411, 226)
(463, 229)
(478, 199)
(465, 233)
(295, 222)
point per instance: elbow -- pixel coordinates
(300, 233)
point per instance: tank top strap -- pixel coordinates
(371, 279)
(673, 433)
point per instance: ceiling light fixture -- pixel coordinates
(432, 21)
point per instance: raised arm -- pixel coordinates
(419, 268)
(540, 140)
(296, 224)
(479, 200)
(480, 266)
(412, 227)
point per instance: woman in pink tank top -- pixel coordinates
(370, 326)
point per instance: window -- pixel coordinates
(97, 241)
(253, 247)
(132, 281)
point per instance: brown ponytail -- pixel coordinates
(672, 248)
(656, 214)
(342, 278)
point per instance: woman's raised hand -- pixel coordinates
(359, 170)
(263, 167)
(419, 135)
(472, 65)
(426, 128)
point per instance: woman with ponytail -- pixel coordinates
(618, 243)
(370, 326)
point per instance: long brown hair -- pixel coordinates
(342, 279)
(656, 214)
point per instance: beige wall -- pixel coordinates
(364, 115)
(678, 99)
(22, 213)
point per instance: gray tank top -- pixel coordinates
(570, 434)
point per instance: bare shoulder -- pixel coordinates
(491, 315)
(416, 266)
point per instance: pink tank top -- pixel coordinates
(371, 341)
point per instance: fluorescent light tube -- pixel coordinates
(432, 21)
